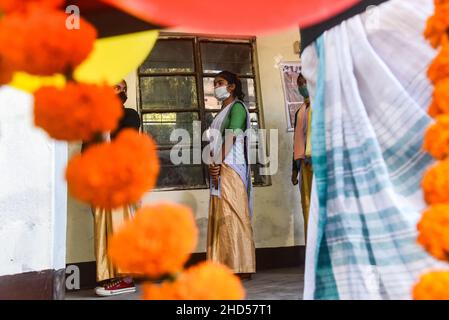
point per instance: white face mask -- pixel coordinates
(222, 93)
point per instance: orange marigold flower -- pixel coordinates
(206, 281)
(436, 183)
(434, 231)
(38, 42)
(112, 175)
(440, 103)
(437, 25)
(157, 242)
(439, 69)
(8, 6)
(436, 140)
(432, 286)
(77, 111)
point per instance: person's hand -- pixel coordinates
(214, 172)
(295, 180)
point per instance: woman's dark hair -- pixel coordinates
(232, 78)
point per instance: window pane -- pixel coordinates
(258, 180)
(255, 144)
(161, 125)
(212, 103)
(209, 117)
(181, 176)
(232, 57)
(170, 56)
(168, 92)
(165, 156)
(254, 121)
(255, 126)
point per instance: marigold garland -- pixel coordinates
(77, 111)
(432, 286)
(436, 183)
(205, 281)
(43, 45)
(436, 140)
(434, 231)
(434, 225)
(438, 25)
(111, 175)
(9, 6)
(439, 69)
(157, 242)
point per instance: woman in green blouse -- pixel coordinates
(230, 235)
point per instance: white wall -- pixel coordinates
(278, 219)
(33, 193)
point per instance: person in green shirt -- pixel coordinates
(230, 238)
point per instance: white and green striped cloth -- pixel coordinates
(370, 93)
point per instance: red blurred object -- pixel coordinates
(233, 16)
(88, 5)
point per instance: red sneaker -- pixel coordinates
(115, 287)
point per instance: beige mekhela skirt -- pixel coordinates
(230, 235)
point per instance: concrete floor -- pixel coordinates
(279, 284)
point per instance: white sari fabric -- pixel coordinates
(367, 78)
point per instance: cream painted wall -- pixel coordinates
(278, 219)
